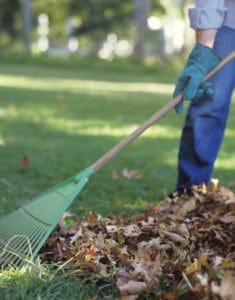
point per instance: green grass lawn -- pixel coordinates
(64, 119)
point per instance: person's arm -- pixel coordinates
(206, 37)
(206, 18)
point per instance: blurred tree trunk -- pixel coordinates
(142, 12)
(27, 25)
(189, 36)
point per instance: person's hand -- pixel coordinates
(201, 61)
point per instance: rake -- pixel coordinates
(23, 232)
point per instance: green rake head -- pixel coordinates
(23, 232)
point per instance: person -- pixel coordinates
(205, 122)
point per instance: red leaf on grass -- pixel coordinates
(24, 163)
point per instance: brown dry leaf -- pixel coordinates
(227, 264)
(24, 164)
(126, 173)
(111, 228)
(104, 271)
(226, 194)
(182, 229)
(63, 229)
(124, 255)
(187, 206)
(228, 218)
(165, 239)
(154, 243)
(100, 241)
(76, 236)
(131, 230)
(226, 289)
(115, 175)
(175, 237)
(92, 218)
(131, 287)
(197, 265)
(146, 271)
(131, 174)
(202, 260)
(60, 253)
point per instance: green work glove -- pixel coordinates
(201, 61)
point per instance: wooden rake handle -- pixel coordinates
(155, 117)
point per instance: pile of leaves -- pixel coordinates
(184, 247)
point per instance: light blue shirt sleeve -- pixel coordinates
(207, 14)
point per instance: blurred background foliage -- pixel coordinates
(97, 28)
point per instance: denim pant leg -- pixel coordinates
(206, 120)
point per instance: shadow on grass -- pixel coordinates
(64, 132)
(55, 155)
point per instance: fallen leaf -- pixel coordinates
(115, 175)
(131, 287)
(131, 174)
(228, 218)
(60, 253)
(197, 265)
(175, 237)
(76, 236)
(227, 287)
(227, 264)
(187, 206)
(188, 238)
(126, 173)
(24, 163)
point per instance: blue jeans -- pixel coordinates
(206, 119)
